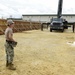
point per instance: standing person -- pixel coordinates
(9, 48)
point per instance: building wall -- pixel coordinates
(69, 18)
(47, 18)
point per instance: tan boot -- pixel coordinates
(11, 67)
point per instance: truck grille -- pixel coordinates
(56, 24)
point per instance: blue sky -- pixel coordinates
(16, 8)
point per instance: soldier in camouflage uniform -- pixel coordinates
(8, 45)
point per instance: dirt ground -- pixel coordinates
(41, 53)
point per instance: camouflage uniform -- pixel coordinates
(9, 52)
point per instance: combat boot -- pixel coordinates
(11, 67)
(7, 64)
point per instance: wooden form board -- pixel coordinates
(19, 26)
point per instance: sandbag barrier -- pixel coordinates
(19, 26)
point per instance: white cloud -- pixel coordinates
(18, 7)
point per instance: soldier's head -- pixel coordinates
(10, 23)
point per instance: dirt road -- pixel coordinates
(41, 53)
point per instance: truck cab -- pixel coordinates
(57, 24)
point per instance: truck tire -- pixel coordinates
(50, 30)
(62, 30)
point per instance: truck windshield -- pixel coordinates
(57, 20)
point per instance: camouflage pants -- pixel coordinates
(9, 52)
